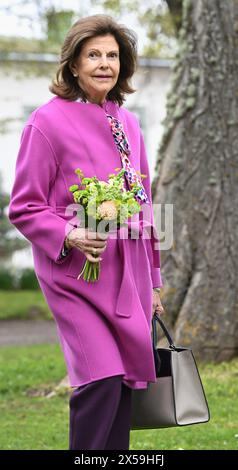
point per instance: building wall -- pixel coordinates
(149, 103)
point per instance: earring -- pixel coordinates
(75, 74)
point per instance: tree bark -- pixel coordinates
(197, 172)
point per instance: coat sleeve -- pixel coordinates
(29, 209)
(153, 242)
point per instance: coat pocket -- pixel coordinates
(76, 263)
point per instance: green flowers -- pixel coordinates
(95, 193)
(104, 200)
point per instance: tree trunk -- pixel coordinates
(197, 172)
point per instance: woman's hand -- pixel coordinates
(157, 306)
(87, 244)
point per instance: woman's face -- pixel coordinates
(98, 67)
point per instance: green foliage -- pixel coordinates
(104, 202)
(73, 188)
(117, 7)
(33, 421)
(175, 8)
(94, 193)
(8, 243)
(55, 25)
(28, 280)
(153, 50)
(24, 280)
(7, 279)
(21, 305)
(160, 21)
(21, 44)
(58, 23)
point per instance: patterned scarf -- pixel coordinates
(124, 149)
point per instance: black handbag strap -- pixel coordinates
(166, 332)
(157, 358)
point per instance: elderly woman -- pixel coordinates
(104, 327)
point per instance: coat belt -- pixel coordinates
(124, 305)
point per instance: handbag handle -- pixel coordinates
(157, 358)
(166, 332)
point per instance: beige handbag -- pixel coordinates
(177, 398)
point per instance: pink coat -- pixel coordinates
(105, 327)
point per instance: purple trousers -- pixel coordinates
(100, 414)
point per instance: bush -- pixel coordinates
(28, 280)
(7, 279)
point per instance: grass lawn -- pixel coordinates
(23, 304)
(34, 422)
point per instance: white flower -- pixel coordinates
(107, 210)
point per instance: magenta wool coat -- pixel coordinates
(104, 327)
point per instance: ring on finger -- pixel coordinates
(94, 251)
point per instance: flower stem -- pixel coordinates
(90, 271)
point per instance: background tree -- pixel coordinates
(53, 22)
(197, 172)
(160, 19)
(57, 24)
(175, 9)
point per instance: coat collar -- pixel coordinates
(104, 105)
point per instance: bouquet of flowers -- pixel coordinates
(106, 201)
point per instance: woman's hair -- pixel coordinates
(66, 85)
